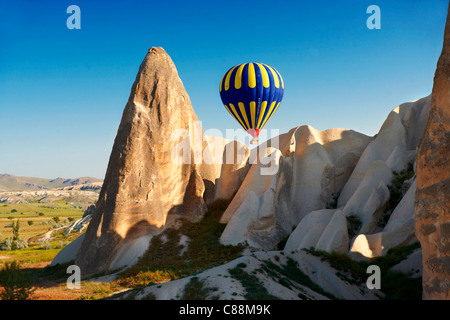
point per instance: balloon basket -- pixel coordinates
(254, 141)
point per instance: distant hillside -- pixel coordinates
(14, 183)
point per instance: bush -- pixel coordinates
(40, 214)
(16, 283)
(353, 225)
(6, 245)
(195, 290)
(10, 244)
(46, 246)
(56, 219)
(13, 210)
(30, 223)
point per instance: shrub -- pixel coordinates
(57, 225)
(13, 210)
(395, 191)
(353, 225)
(46, 246)
(30, 223)
(56, 219)
(16, 283)
(195, 290)
(40, 214)
(10, 244)
(83, 297)
(255, 289)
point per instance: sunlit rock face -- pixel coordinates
(310, 169)
(145, 183)
(433, 184)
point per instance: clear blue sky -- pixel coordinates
(62, 92)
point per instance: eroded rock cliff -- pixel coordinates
(432, 205)
(150, 177)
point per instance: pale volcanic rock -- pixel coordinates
(399, 230)
(370, 197)
(69, 252)
(395, 144)
(233, 170)
(412, 265)
(308, 172)
(309, 231)
(365, 194)
(321, 165)
(250, 216)
(335, 235)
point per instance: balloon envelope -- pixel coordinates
(252, 92)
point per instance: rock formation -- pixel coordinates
(399, 230)
(312, 168)
(433, 184)
(155, 169)
(365, 194)
(233, 171)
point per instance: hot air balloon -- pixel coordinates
(252, 92)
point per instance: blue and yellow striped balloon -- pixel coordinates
(252, 92)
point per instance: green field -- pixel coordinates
(36, 219)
